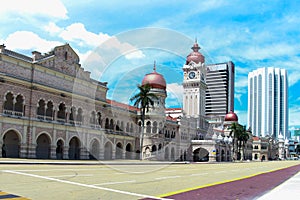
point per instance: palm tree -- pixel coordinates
(143, 100)
(240, 138)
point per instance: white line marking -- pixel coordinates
(49, 170)
(200, 174)
(167, 177)
(83, 185)
(112, 183)
(71, 175)
(219, 172)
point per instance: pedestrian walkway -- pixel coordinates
(287, 190)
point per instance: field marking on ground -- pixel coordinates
(167, 177)
(218, 183)
(200, 174)
(112, 183)
(63, 169)
(83, 185)
(71, 175)
(219, 172)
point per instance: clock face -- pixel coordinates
(192, 75)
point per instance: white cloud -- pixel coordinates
(77, 33)
(256, 52)
(175, 94)
(52, 28)
(25, 40)
(48, 8)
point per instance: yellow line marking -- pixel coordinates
(218, 183)
(3, 193)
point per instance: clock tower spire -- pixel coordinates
(194, 83)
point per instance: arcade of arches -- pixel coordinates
(46, 148)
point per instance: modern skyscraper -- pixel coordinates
(220, 89)
(268, 102)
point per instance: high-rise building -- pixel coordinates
(267, 102)
(220, 89)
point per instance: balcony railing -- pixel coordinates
(12, 112)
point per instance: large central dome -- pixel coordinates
(155, 80)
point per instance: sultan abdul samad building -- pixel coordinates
(42, 116)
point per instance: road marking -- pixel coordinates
(200, 174)
(112, 183)
(71, 175)
(63, 169)
(83, 185)
(219, 172)
(167, 177)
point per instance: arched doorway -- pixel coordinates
(128, 151)
(119, 150)
(59, 149)
(108, 151)
(74, 149)
(200, 155)
(11, 145)
(43, 147)
(94, 149)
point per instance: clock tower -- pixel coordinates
(194, 83)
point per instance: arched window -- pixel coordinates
(140, 127)
(99, 120)
(106, 123)
(41, 109)
(148, 127)
(66, 55)
(61, 114)
(72, 116)
(118, 126)
(49, 111)
(9, 102)
(111, 124)
(19, 105)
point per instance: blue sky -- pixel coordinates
(118, 41)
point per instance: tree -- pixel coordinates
(143, 100)
(240, 138)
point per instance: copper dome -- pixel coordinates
(195, 55)
(155, 80)
(231, 116)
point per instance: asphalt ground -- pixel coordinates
(125, 180)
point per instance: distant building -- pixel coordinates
(268, 102)
(220, 89)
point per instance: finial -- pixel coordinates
(154, 67)
(196, 40)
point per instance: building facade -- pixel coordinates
(220, 89)
(50, 108)
(268, 102)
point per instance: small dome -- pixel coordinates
(231, 116)
(155, 80)
(195, 55)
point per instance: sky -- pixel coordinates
(119, 41)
